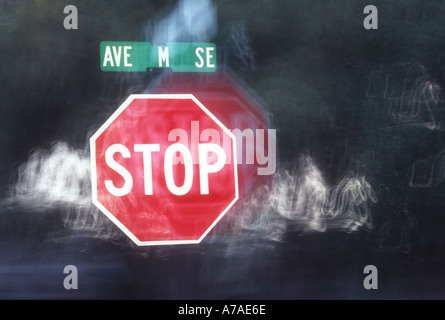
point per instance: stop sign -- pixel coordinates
(164, 169)
(240, 110)
(247, 117)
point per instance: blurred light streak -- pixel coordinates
(301, 200)
(189, 21)
(59, 178)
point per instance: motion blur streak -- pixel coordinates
(413, 95)
(297, 200)
(301, 200)
(240, 43)
(59, 178)
(429, 172)
(59, 175)
(191, 20)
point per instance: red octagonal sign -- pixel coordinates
(164, 169)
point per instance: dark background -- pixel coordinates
(363, 101)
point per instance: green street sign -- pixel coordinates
(125, 56)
